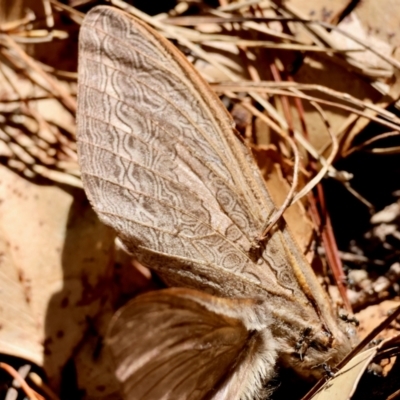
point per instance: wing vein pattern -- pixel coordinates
(157, 149)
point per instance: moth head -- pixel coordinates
(316, 351)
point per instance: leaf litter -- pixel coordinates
(319, 81)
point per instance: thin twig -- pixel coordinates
(32, 395)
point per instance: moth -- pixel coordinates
(162, 165)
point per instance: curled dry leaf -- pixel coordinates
(344, 384)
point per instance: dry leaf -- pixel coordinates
(373, 315)
(55, 266)
(343, 385)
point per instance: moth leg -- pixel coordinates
(303, 342)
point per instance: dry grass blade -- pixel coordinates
(63, 95)
(37, 143)
(297, 90)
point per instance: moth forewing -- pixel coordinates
(161, 165)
